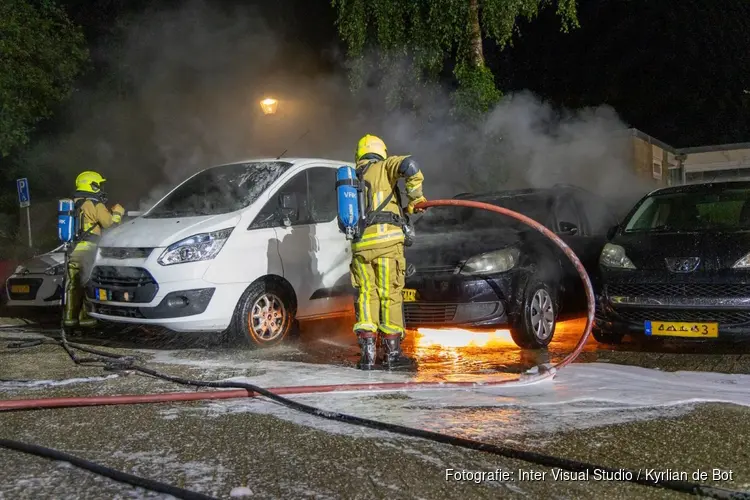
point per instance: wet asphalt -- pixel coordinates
(230, 454)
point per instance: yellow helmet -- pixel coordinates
(89, 182)
(371, 144)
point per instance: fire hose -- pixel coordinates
(275, 394)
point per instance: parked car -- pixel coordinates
(678, 265)
(474, 268)
(37, 282)
(249, 247)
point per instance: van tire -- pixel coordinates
(264, 316)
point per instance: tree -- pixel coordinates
(431, 31)
(41, 54)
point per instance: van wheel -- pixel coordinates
(265, 315)
(535, 326)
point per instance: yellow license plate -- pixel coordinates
(679, 329)
(409, 295)
(20, 289)
(101, 294)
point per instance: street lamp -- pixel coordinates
(269, 106)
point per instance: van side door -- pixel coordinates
(314, 255)
(332, 251)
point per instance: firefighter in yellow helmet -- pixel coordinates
(93, 216)
(378, 267)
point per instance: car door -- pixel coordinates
(568, 226)
(596, 218)
(332, 251)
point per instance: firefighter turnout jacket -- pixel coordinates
(380, 179)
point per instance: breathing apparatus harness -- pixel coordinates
(349, 205)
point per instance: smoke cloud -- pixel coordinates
(185, 90)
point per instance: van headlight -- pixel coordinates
(613, 256)
(204, 246)
(498, 261)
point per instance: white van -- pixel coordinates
(248, 246)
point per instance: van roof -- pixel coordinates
(286, 160)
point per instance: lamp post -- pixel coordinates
(269, 106)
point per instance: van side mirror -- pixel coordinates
(568, 228)
(612, 231)
(289, 208)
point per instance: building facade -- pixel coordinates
(664, 165)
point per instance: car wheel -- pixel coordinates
(607, 337)
(265, 315)
(535, 325)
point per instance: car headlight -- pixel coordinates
(743, 263)
(54, 270)
(19, 270)
(498, 261)
(614, 256)
(204, 246)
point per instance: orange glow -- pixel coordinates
(458, 337)
(269, 106)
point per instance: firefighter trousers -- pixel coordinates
(78, 269)
(378, 274)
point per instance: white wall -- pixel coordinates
(718, 160)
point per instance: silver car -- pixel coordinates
(37, 282)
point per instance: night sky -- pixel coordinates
(676, 69)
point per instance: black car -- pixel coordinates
(678, 265)
(474, 268)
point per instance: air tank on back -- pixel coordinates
(66, 220)
(348, 201)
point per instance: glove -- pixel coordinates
(410, 208)
(118, 209)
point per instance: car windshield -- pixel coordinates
(219, 190)
(444, 219)
(726, 210)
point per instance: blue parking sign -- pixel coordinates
(24, 199)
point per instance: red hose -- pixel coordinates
(590, 298)
(21, 404)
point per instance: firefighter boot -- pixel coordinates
(394, 358)
(368, 347)
(84, 320)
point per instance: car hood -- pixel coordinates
(150, 233)
(41, 263)
(450, 248)
(716, 250)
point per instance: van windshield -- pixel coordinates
(219, 190)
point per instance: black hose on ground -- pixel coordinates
(108, 360)
(122, 477)
(128, 363)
